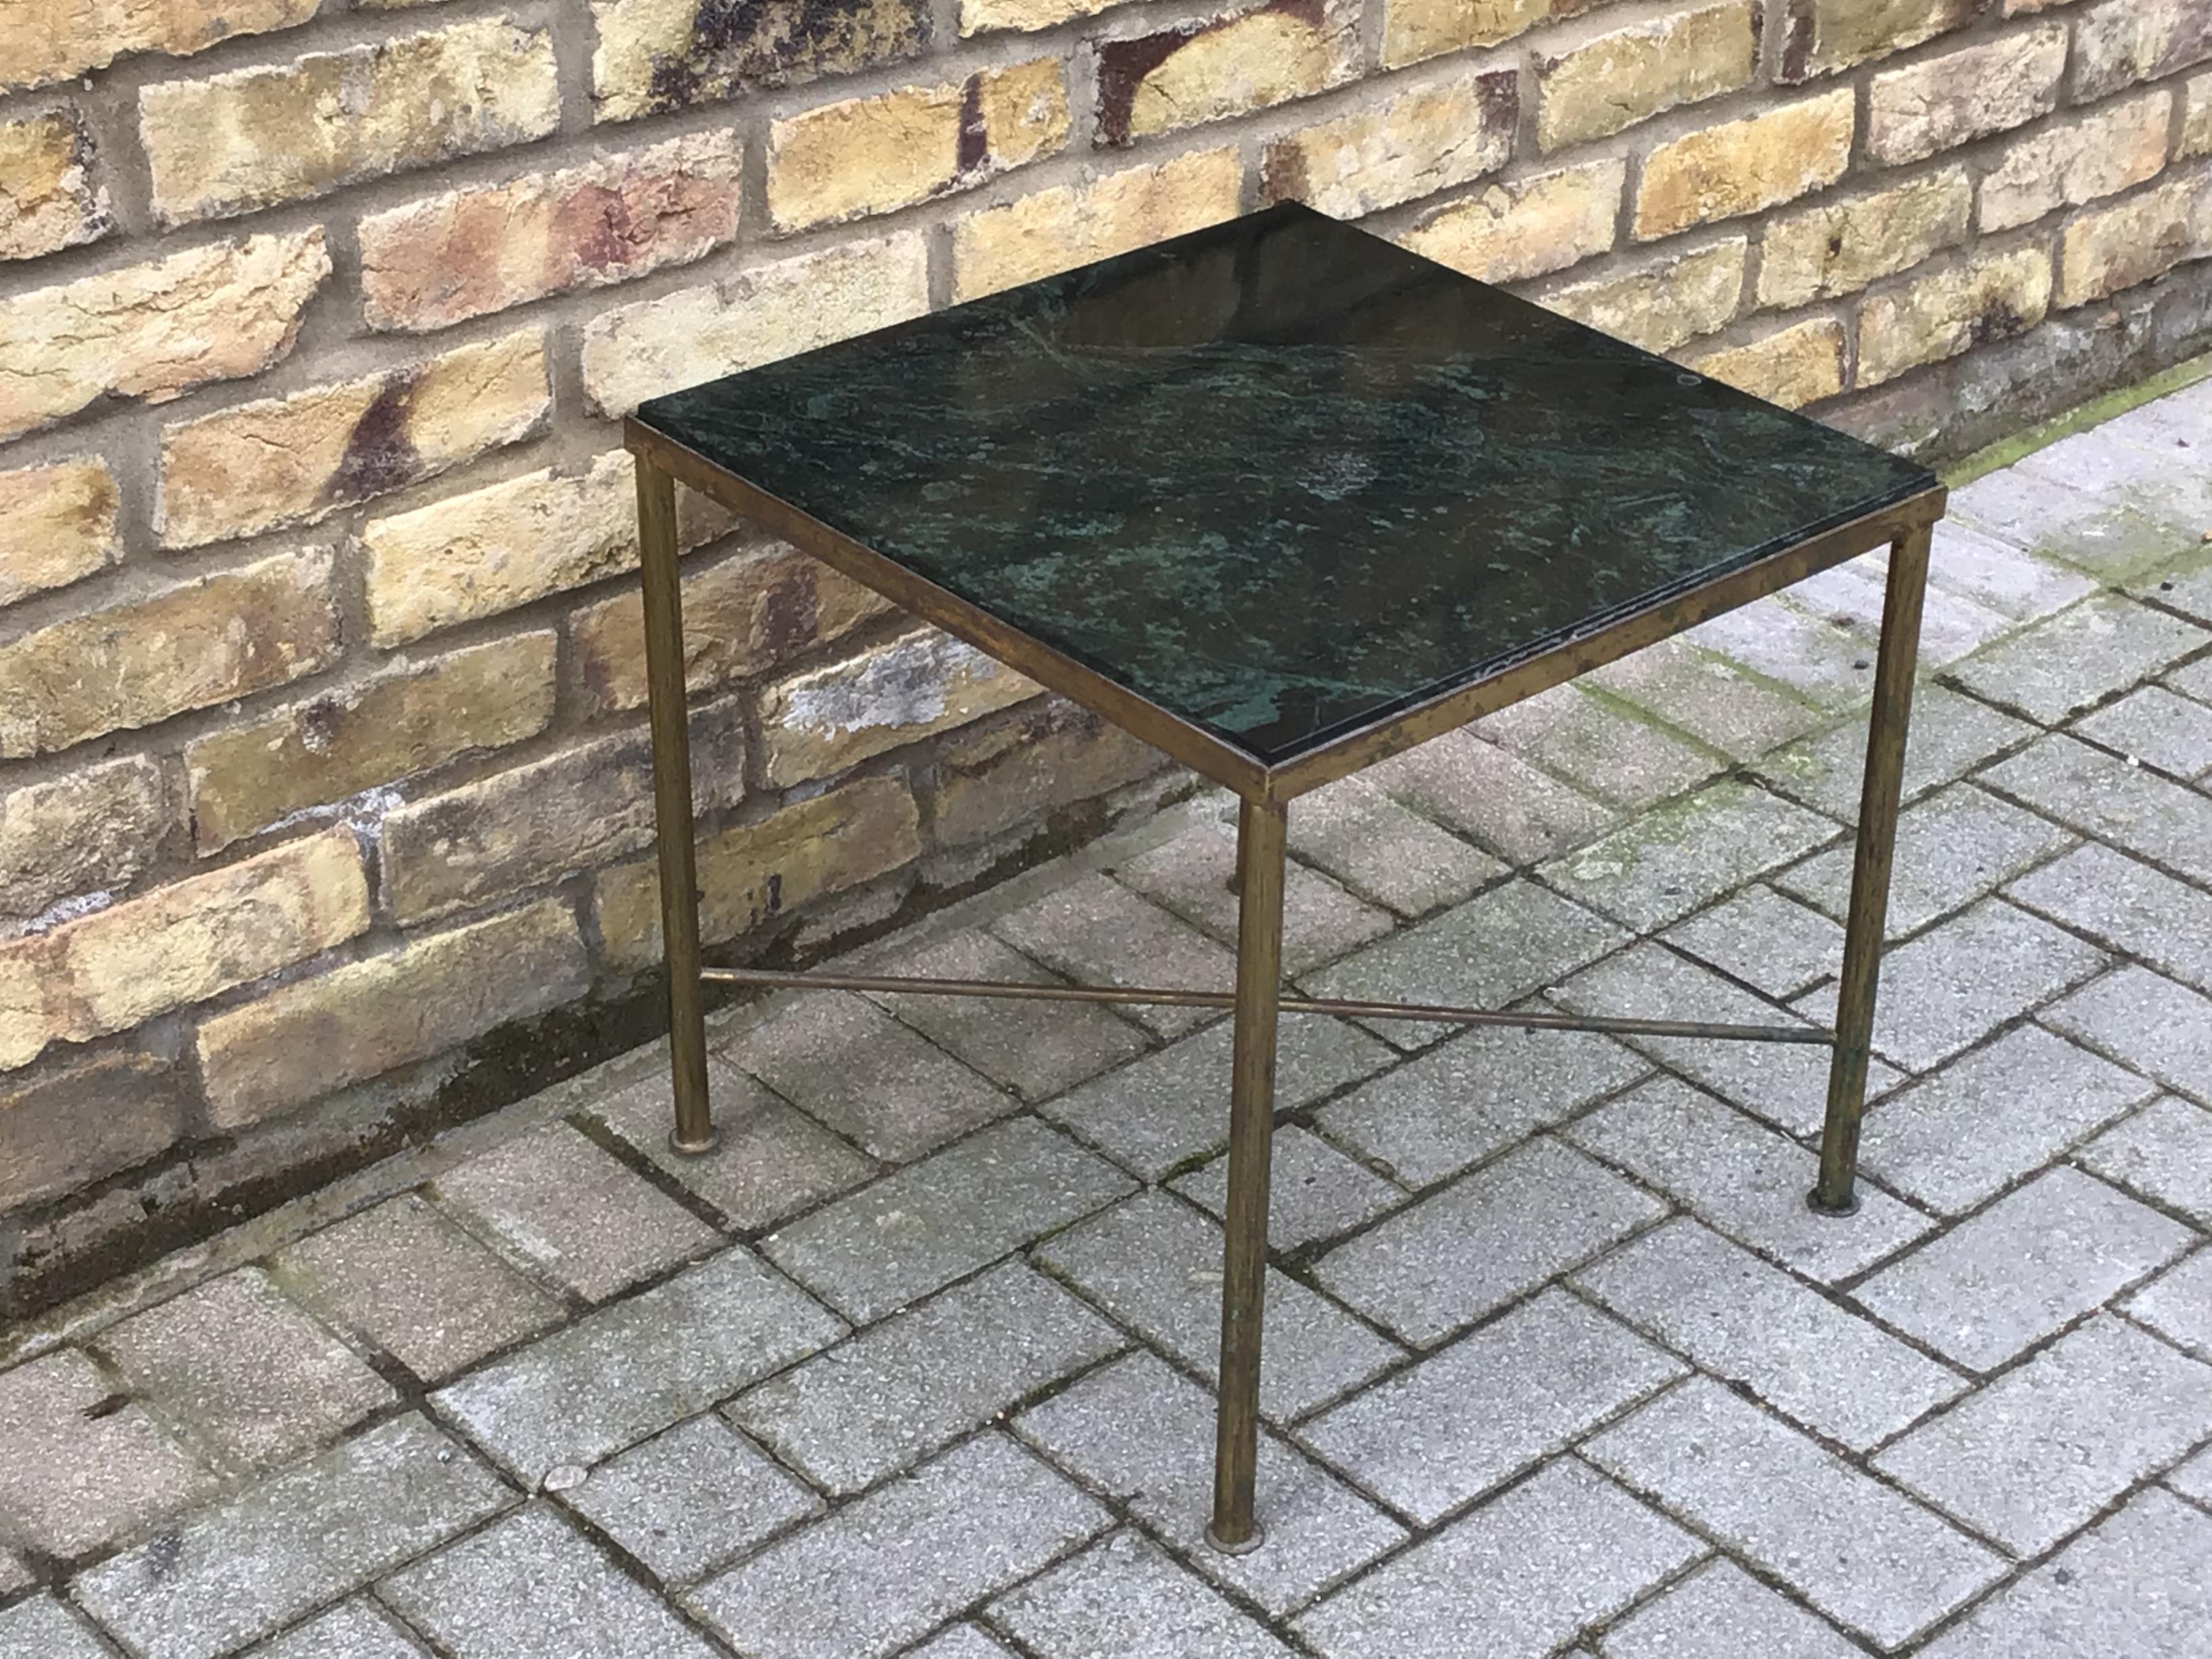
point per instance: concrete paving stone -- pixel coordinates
(2193, 1480)
(873, 1576)
(962, 1642)
(1123, 1596)
(2160, 485)
(633, 1368)
(2178, 1303)
(1786, 1083)
(1662, 865)
(924, 1226)
(686, 1501)
(902, 1389)
(1745, 1180)
(1710, 698)
(1195, 875)
(42, 1628)
(2193, 679)
(1383, 853)
(1751, 1324)
(2078, 657)
(1602, 746)
(1815, 659)
(1721, 1612)
(1163, 1111)
(851, 1067)
(1471, 1417)
(2037, 1453)
(530, 1586)
(352, 1630)
(75, 1480)
(2185, 415)
(1316, 1191)
(1851, 596)
(2184, 586)
(402, 1279)
(1142, 1434)
(1435, 1115)
(2132, 1588)
(2102, 796)
(2053, 520)
(1768, 941)
(312, 1535)
(771, 1161)
(574, 1212)
(1517, 1578)
(14, 1577)
(1487, 953)
(2128, 907)
(1943, 992)
(1952, 848)
(2037, 1259)
(2153, 725)
(2165, 1152)
(1948, 736)
(1863, 1554)
(1485, 1240)
(1035, 1048)
(1094, 931)
(1498, 799)
(1154, 1264)
(1962, 1135)
(248, 1371)
(2146, 1021)
(1996, 575)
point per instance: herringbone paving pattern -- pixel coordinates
(1558, 1362)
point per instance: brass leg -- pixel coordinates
(1877, 845)
(1251, 1141)
(671, 803)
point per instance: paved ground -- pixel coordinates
(1559, 1362)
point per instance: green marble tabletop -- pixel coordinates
(1282, 478)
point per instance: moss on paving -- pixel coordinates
(2080, 418)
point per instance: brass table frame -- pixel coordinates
(1264, 792)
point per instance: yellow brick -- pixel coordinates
(1631, 74)
(1990, 296)
(1745, 166)
(2104, 152)
(1791, 367)
(866, 156)
(53, 42)
(1050, 754)
(1399, 150)
(1842, 245)
(56, 526)
(2197, 116)
(1526, 228)
(1055, 230)
(981, 16)
(1414, 29)
(1820, 36)
(95, 826)
(154, 331)
(47, 198)
(655, 55)
(1942, 102)
(2120, 42)
(2134, 240)
(1663, 302)
(1224, 65)
(298, 459)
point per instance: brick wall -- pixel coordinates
(321, 750)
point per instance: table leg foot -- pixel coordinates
(1820, 1206)
(1252, 1541)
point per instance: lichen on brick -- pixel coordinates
(659, 55)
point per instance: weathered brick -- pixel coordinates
(776, 310)
(1414, 29)
(1396, 150)
(40, 44)
(1628, 74)
(179, 944)
(655, 55)
(1227, 64)
(1819, 36)
(298, 459)
(1841, 245)
(56, 526)
(91, 828)
(740, 617)
(899, 692)
(1743, 167)
(257, 136)
(378, 731)
(866, 156)
(1954, 99)
(155, 331)
(532, 823)
(751, 873)
(469, 252)
(2147, 235)
(2100, 155)
(2124, 41)
(980, 16)
(1053, 230)
(1990, 296)
(1660, 304)
(1052, 754)
(71, 1124)
(362, 1020)
(1526, 227)
(200, 642)
(47, 198)
(1792, 366)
